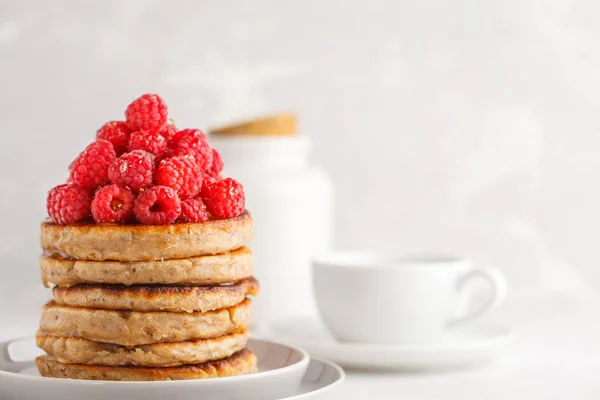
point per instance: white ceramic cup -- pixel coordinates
(378, 298)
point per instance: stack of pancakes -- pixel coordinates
(137, 302)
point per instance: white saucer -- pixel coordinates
(463, 347)
(284, 373)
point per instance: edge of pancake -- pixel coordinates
(156, 298)
(134, 328)
(205, 270)
(83, 351)
(242, 362)
(137, 242)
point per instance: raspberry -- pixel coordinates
(152, 142)
(113, 203)
(158, 205)
(181, 174)
(192, 142)
(169, 130)
(206, 182)
(217, 164)
(225, 199)
(132, 169)
(68, 203)
(148, 112)
(193, 210)
(116, 132)
(90, 168)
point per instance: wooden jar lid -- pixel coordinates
(283, 124)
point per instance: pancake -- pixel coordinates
(133, 328)
(156, 298)
(240, 363)
(82, 351)
(206, 270)
(134, 242)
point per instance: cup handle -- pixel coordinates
(497, 293)
(6, 361)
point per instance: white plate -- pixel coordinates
(321, 382)
(284, 372)
(464, 347)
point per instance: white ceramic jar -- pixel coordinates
(292, 208)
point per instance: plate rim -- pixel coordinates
(336, 383)
(303, 362)
(504, 335)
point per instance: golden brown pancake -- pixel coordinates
(156, 298)
(82, 351)
(134, 242)
(206, 270)
(133, 328)
(240, 363)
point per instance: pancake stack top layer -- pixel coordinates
(146, 250)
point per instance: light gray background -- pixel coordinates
(462, 126)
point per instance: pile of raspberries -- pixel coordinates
(145, 169)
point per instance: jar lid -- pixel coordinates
(283, 124)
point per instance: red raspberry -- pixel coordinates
(148, 112)
(217, 164)
(181, 174)
(132, 169)
(208, 180)
(193, 210)
(158, 205)
(90, 168)
(225, 199)
(116, 132)
(192, 142)
(68, 203)
(169, 130)
(113, 203)
(152, 142)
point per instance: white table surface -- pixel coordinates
(555, 355)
